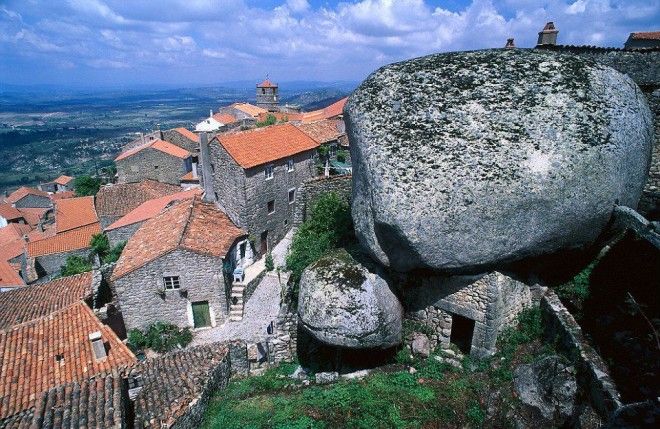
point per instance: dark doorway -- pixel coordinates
(264, 243)
(201, 314)
(462, 330)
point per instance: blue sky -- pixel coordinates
(193, 42)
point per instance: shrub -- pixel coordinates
(270, 264)
(75, 265)
(341, 156)
(114, 253)
(86, 186)
(160, 337)
(270, 120)
(100, 246)
(577, 290)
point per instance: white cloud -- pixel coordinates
(297, 6)
(578, 7)
(105, 63)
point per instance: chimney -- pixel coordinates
(548, 36)
(97, 345)
(142, 137)
(206, 177)
(509, 44)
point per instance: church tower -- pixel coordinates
(548, 36)
(267, 97)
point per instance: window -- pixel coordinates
(242, 249)
(171, 282)
(289, 165)
(333, 150)
(271, 206)
(292, 195)
(268, 171)
(155, 167)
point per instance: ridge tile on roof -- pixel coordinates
(158, 144)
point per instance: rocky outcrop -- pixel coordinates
(463, 161)
(547, 388)
(342, 303)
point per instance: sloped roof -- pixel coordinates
(174, 381)
(95, 402)
(263, 145)
(33, 215)
(62, 195)
(30, 303)
(249, 109)
(73, 213)
(63, 180)
(267, 84)
(645, 35)
(67, 241)
(55, 349)
(157, 144)
(8, 212)
(224, 118)
(23, 192)
(189, 177)
(11, 240)
(121, 198)
(151, 208)
(187, 134)
(9, 276)
(189, 225)
(335, 109)
(322, 131)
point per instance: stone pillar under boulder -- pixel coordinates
(451, 306)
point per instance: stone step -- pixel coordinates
(237, 288)
(237, 294)
(236, 311)
(235, 319)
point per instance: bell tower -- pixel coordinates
(267, 96)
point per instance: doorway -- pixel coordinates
(201, 314)
(264, 243)
(462, 330)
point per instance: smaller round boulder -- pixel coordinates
(342, 303)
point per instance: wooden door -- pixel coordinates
(201, 314)
(264, 243)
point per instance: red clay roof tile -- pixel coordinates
(249, 109)
(646, 35)
(67, 241)
(73, 213)
(157, 144)
(322, 131)
(224, 118)
(187, 134)
(121, 198)
(63, 180)
(22, 192)
(8, 212)
(9, 276)
(267, 84)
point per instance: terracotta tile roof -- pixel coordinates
(33, 215)
(249, 109)
(95, 402)
(8, 212)
(322, 131)
(62, 195)
(173, 382)
(30, 303)
(22, 192)
(190, 225)
(73, 213)
(63, 180)
(645, 35)
(335, 109)
(187, 134)
(11, 240)
(151, 208)
(67, 241)
(281, 116)
(266, 84)
(189, 177)
(263, 145)
(41, 354)
(119, 199)
(157, 144)
(224, 118)
(9, 277)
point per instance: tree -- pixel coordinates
(100, 246)
(86, 185)
(75, 265)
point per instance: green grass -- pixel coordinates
(437, 395)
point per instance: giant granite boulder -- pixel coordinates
(342, 303)
(462, 161)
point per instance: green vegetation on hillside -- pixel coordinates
(436, 395)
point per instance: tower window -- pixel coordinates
(271, 206)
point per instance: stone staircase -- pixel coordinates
(236, 302)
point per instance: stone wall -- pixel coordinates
(117, 235)
(178, 139)
(200, 275)
(561, 329)
(51, 264)
(649, 205)
(106, 221)
(493, 301)
(313, 188)
(228, 183)
(33, 201)
(152, 164)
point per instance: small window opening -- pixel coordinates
(268, 171)
(292, 196)
(171, 282)
(271, 206)
(290, 165)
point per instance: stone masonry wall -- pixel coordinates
(33, 201)
(311, 189)
(200, 275)
(117, 235)
(51, 264)
(228, 183)
(649, 205)
(493, 301)
(152, 164)
(177, 139)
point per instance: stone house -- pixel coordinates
(173, 268)
(242, 111)
(156, 160)
(124, 228)
(643, 40)
(9, 214)
(10, 278)
(255, 177)
(25, 197)
(466, 311)
(114, 201)
(61, 184)
(331, 134)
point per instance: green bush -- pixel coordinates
(341, 156)
(75, 265)
(86, 185)
(160, 337)
(577, 290)
(270, 264)
(114, 253)
(270, 120)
